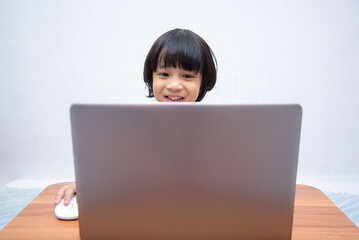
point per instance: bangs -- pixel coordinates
(182, 52)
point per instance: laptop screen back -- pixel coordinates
(185, 171)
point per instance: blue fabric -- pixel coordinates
(13, 200)
(348, 203)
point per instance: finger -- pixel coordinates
(70, 190)
(60, 194)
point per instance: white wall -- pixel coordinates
(55, 53)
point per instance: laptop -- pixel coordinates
(185, 171)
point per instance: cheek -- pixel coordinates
(194, 90)
(198, 86)
(156, 88)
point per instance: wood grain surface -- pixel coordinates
(315, 217)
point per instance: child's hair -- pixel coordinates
(185, 49)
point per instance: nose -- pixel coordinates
(174, 84)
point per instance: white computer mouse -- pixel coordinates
(69, 212)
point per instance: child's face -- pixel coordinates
(176, 85)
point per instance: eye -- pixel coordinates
(163, 74)
(187, 76)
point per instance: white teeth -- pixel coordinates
(174, 98)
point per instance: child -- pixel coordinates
(180, 67)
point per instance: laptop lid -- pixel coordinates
(185, 171)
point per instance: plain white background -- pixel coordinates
(56, 53)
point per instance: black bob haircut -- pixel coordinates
(185, 49)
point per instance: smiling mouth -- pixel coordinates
(174, 99)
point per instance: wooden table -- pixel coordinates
(315, 217)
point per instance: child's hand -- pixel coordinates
(66, 192)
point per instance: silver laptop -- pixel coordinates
(185, 171)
